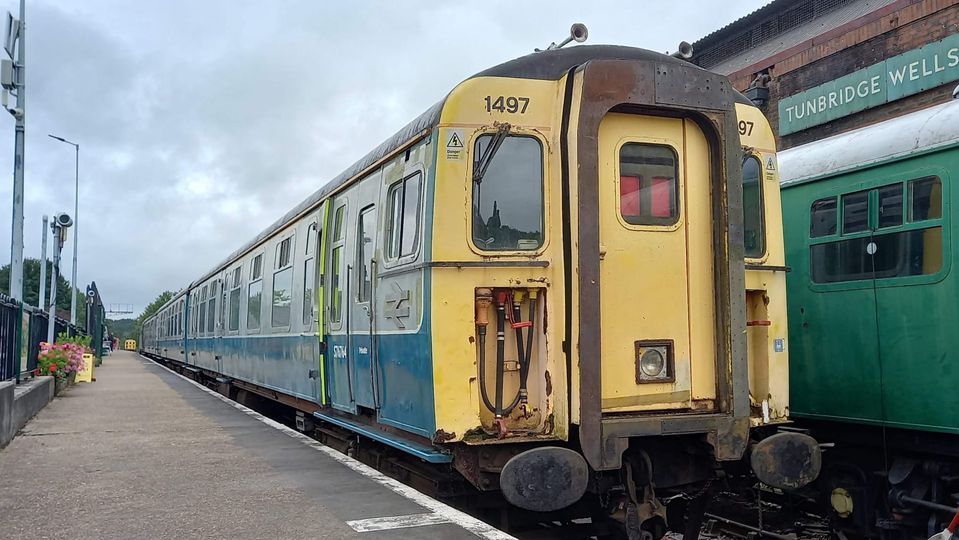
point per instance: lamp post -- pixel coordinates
(60, 224)
(42, 303)
(14, 76)
(76, 218)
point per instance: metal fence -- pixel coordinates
(22, 329)
(9, 333)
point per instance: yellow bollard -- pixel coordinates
(86, 375)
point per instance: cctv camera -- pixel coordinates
(63, 220)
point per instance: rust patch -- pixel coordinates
(703, 404)
(442, 436)
(548, 425)
(549, 383)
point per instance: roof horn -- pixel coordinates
(577, 33)
(685, 51)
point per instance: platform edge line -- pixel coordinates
(452, 515)
(390, 523)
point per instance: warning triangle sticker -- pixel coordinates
(454, 141)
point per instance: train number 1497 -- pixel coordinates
(508, 104)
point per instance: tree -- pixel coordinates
(31, 289)
(154, 306)
(123, 329)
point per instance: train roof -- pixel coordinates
(544, 65)
(919, 132)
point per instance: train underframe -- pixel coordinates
(886, 483)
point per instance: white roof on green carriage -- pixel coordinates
(927, 130)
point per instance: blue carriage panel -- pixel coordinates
(405, 382)
(338, 373)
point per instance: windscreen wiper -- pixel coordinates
(483, 162)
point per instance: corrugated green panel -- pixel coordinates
(849, 340)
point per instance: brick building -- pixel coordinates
(821, 67)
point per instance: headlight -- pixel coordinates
(652, 363)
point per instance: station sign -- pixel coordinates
(909, 73)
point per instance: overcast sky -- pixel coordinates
(200, 122)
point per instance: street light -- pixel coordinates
(76, 218)
(59, 226)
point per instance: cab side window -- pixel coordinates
(754, 225)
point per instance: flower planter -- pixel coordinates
(60, 384)
(72, 378)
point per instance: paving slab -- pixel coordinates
(145, 453)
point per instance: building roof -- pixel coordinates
(917, 132)
(774, 28)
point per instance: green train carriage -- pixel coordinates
(873, 311)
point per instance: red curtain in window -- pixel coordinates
(661, 200)
(629, 196)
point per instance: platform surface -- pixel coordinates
(145, 453)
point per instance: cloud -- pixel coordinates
(200, 123)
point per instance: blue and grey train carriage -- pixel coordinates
(538, 283)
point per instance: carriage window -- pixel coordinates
(822, 218)
(309, 275)
(890, 205)
(338, 223)
(234, 322)
(284, 252)
(336, 266)
(202, 308)
(256, 267)
(855, 212)
(404, 200)
(254, 293)
(310, 239)
(336, 291)
(508, 200)
(899, 254)
(211, 310)
(753, 218)
(925, 199)
(308, 278)
(648, 184)
(366, 238)
(282, 285)
(254, 296)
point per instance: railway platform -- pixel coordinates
(145, 453)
